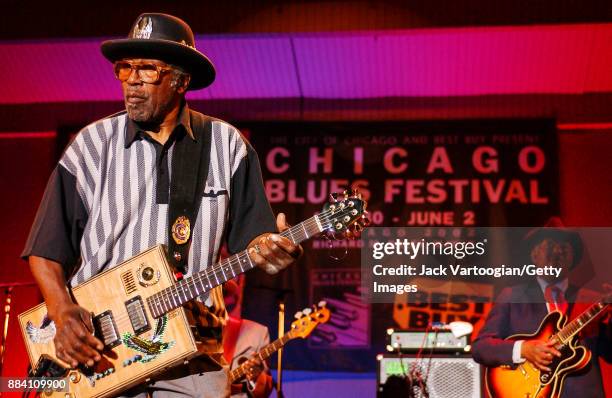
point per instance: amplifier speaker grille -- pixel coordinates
(449, 377)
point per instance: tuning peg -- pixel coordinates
(307, 311)
(365, 221)
(298, 315)
(333, 197)
(322, 303)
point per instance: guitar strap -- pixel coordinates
(190, 161)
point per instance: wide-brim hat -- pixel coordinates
(166, 38)
(554, 229)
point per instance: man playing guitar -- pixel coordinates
(114, 191)
(520, 309)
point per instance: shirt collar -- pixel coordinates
(133, 129)
(562, 285)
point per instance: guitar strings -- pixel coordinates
(167, 294)
(231, 262)
(228, 264)
(323, 217)
(123, 320)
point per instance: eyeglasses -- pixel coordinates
(147, 73)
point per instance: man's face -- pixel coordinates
(555, 253)
(150, 102)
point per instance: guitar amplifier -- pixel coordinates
(449, 376)
(411, 340)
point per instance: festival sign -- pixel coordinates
(436, 174)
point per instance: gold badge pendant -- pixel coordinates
(181, 230)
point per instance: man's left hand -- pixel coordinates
(259, 382)
(273, 252)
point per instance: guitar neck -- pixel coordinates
(191, 287)
(575, 326)
(263, 354)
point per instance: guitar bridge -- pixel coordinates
(105, 327)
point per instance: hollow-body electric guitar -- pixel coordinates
(300, 328)
(526, 380)
(137, 310)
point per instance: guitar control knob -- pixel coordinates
(148, 273)
(74, 377)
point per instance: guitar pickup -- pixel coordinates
(48, 367)
(105, 327)
(137, 315)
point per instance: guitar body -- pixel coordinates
(526, 380)
(137, 346)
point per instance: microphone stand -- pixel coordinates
(7, 313)
(8, 291)
(279, 363)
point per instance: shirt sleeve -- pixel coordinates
(59, 223)
(250, 211)
(516, 352)
(490, 347)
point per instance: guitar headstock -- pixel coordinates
(309, 319)
(345, 215)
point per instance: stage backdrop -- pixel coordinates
(440, 174)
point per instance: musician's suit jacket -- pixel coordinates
(519, 310)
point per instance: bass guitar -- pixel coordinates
(300, 328)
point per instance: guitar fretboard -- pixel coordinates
(263, 354)
(189, 288)
(580, 322)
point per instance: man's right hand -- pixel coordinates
(539, 352)
(74, 339)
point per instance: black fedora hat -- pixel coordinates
(556, 230)
(167, 38)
